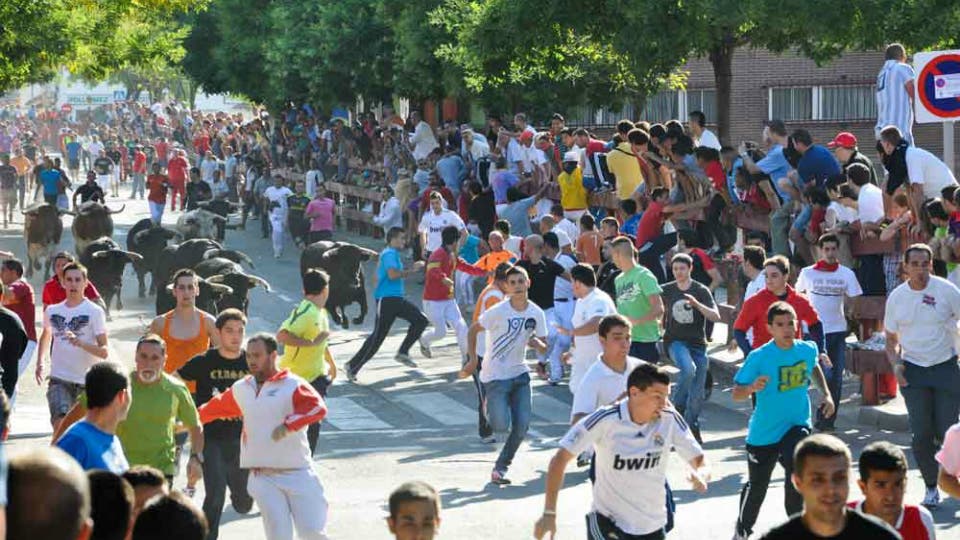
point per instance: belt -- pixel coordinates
(561, 300)
(266, 471)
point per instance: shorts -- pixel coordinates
(73, 164)
(8, 196)
(600, 527)
(62, 396)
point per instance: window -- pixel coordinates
(791, 103)
(661, 107)
(704, 101)
(830, 103)
(848, 102)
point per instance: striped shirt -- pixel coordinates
(893, 102)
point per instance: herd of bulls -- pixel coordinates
(195, 242)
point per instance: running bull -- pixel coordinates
(148, 239)
(227, 272)
(92, 221)
(341, 261)
(42, 229)
(105, 262)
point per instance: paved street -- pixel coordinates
(401, 424)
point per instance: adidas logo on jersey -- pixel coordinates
(650, 461)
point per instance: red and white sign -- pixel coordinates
(937, 86)
(66, 108)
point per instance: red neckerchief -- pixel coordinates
(824, 266)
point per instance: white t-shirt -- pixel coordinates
(826, 291)
(87, 321)
(926, 320)
(424, 141)
(481, 301)
(586, 348)
(601, 386)
(561, 287)
(927, 169)
(870, 204)
(278, 195)
(708, 139)
(631, 463)
(562, 237)
(844, 214)
(571, 229)
(512, 245)
(433, 224)
(507, 333)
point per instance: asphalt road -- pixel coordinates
(400, 424)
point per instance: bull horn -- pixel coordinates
(260, 281)
(210, 253)
(203, 204)
(248, 260)
(215, 279)
(369, 253)
(102, 254)
(220, 219)
(67, 212)
(222, 289)
(109, 211)
(134, 257)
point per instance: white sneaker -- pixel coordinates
(738, 536)
(425, 350)
(932, 498)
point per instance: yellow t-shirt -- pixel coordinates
(626, 167)
(306, 321)
(573, 196)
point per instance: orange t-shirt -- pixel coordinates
(588, 247)
(180, 351)
(492, 260)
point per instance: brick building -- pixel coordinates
(838, 96)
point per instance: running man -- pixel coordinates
(18, 297)
(53, 290)
(511, 327)
(276, 405)
(75, 338)
(438, 293)
(491, 295)
(638, 299)
(392, 304)
(305, 335)
(93, 441)
(632, 438)
(186, 330)
(591, 307)
(211, 373)
(779, 373)
(275, 198)
(822, 479)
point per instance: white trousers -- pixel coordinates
(276, 235)
(559, 316)
(22, 365)
(156, 211)
(464, 289)
(441, 313)
(288, 500)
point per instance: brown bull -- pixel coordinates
(42, 229)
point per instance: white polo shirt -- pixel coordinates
(926, 321)
(631, 463)
(586, 349)
(433, 224)
(927, 169)
(601, 386)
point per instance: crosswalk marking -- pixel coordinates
(550, 409)
(346, 414)
(30, 420)
(440, 408)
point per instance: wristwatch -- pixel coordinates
(199, 457)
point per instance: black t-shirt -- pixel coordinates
(13, 333)
(542, 278)
(214, 374)
(683, 322)
(197, 192)
(858, 527)
(90, 192)
(8, 177)
(606, 278)
(483, 210)
(102, 165)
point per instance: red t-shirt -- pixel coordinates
(139, 162)
(157, 191)
(54, 293)
(24, 307)
(651, 223)
(177, 169)
(715, 172)
(441, 264)
(705, 260)
(753, 314)
(911, 525)
(161, 148)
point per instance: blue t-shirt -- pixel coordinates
(469, 251)
(93, 448)
(784, 403)
(50, 178)
(630, 225)
(817, 164)
(390, 258)
(73, 150)
(517, 214)
(776, 166)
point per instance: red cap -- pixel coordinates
(526, 136)
(844, 139)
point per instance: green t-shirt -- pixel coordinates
(633, 288)
(941, 232)
(147, 435)
(306, 321)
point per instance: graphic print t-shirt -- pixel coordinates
(507, 332)
(87, 321)
(215, 374)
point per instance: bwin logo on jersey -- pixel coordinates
(649, 461)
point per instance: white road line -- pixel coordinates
(550, 409)
(30, 420)
(348, 415)
(441, 408)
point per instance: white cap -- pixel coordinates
(571, 155)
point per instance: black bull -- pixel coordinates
(341, 261)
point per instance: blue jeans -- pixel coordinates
(837, 351)
(508, 408)
(688, 390)
(779, 226)
(803, 218)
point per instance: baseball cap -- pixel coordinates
(571, 155)
(844, 139)
(526, 136)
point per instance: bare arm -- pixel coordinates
(712, 314)
(212, 332)
(555, 473)
(715, 279)
(472, 361)
(588, 328)
(74, 415)
(949, 483)
(742, 392)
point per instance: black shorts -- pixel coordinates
(73, 164)
(600, 527)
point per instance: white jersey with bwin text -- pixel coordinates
(631, 463)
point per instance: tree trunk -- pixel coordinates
(721, 58)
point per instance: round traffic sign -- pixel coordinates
(66, 107)
(927, 84)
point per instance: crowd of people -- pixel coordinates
(603, 286)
